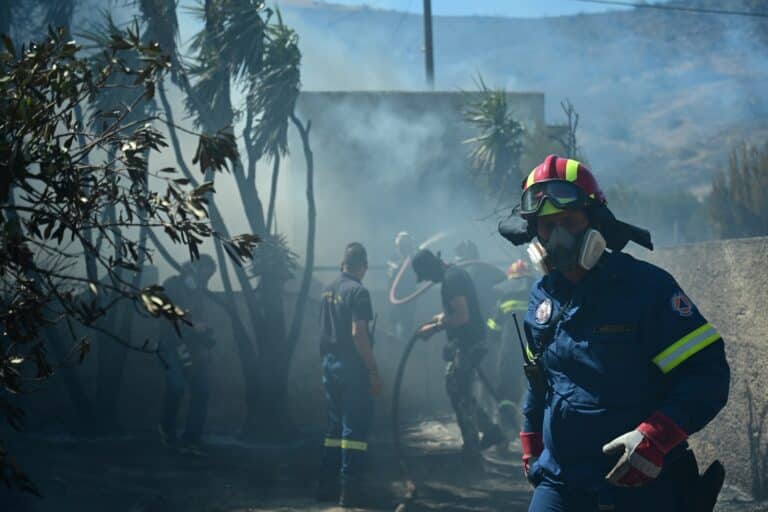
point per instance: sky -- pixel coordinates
(509, 8)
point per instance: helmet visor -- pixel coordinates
(562, 194)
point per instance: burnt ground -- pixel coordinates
(134, 473)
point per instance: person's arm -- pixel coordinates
(531, 435)
(459, 313)
(362, 313)
(457, 318)
(690, 353)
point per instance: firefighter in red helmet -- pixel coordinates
(622, 365)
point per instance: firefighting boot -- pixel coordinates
(491, 437)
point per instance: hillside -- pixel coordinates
(662, 95)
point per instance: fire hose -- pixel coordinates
(397, 301)
(410, 485)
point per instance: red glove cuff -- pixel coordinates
(664, 433)
(532, 443)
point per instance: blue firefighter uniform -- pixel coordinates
(627, 342)
(346, 379)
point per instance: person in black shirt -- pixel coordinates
(464, 326)
(350, 377)
(186, 359)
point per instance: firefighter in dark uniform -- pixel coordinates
(186, 359)
(350, 377)
(630, 366)
(465, 329)
(512, 299)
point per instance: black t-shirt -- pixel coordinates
(457, 283)
(485, 278)
(186, 293)
(343, 302)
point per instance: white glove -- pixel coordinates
(640, 460)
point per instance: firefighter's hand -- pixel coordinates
(375, 382)
(639, 462)
(641, 451)
(426, 331)
(532, 444)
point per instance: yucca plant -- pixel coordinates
(497, 150)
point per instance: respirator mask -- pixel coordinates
(565, 251)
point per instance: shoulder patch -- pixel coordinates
(681, 304)
(544, 311)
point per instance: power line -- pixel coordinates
(665, 7)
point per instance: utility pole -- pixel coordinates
(428, 50)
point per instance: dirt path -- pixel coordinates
(136, 474)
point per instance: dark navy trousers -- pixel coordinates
(660, 495)
(349, 405)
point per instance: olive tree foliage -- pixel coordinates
(498, 148)
(60, 172)
(245, 46)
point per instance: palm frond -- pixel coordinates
(231, 45)
(497, 150)
(273, 256)
(273, 93)
(162, 27)
(58, 13)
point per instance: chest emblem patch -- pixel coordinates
(615, 329)
(544, 311)
(681, 304)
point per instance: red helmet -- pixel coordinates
(517, 269)
(562, 181)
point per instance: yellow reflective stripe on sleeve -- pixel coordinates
(506, 403)
(571, 170)
(686, 347)
(347, 444)
(492, 325)
(512, 305)
(332, 443)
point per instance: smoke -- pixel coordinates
(661, 95)
(385, 163)
(645, 82)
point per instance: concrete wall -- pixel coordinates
(728, 281)
(389, 161)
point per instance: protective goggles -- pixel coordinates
(562, 194)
